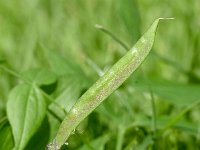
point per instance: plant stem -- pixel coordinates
(154, 118)
(100, 27)
(120, 137)
(153, 105)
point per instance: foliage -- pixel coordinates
(51, 53)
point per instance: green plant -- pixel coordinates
(109, 82)
(50, 55)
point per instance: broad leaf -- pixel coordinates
(26, 110)
(40, 77)
(37, 142)
(6, 138)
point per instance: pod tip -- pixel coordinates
(170, 18)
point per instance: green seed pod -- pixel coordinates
(106, 85)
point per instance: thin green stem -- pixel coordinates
(153, 105)
(154, 118)
(120, 137)
(52, 101)
(95, 67)
(55, 115)
(13, 73)
(100, 27)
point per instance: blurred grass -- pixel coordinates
(67, 27)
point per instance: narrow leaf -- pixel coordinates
(144, 145)
(107, 84)
(175, 93)
(26, 110)
(61, 65)
(97, 144)
(129, 12)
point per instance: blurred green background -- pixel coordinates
(30, 28)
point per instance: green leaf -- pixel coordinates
(26, 110)
(96, 144)
(61, 65)
(54, 125)
(106, 85)
(40, 76)
(2, 61)
(163, 121)
(176, 93)
(181, 95)
(68, 90)
(128, 9)
(37, 142)
(6, 137)
(182, 124)
(146, 142)
(71, 79)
